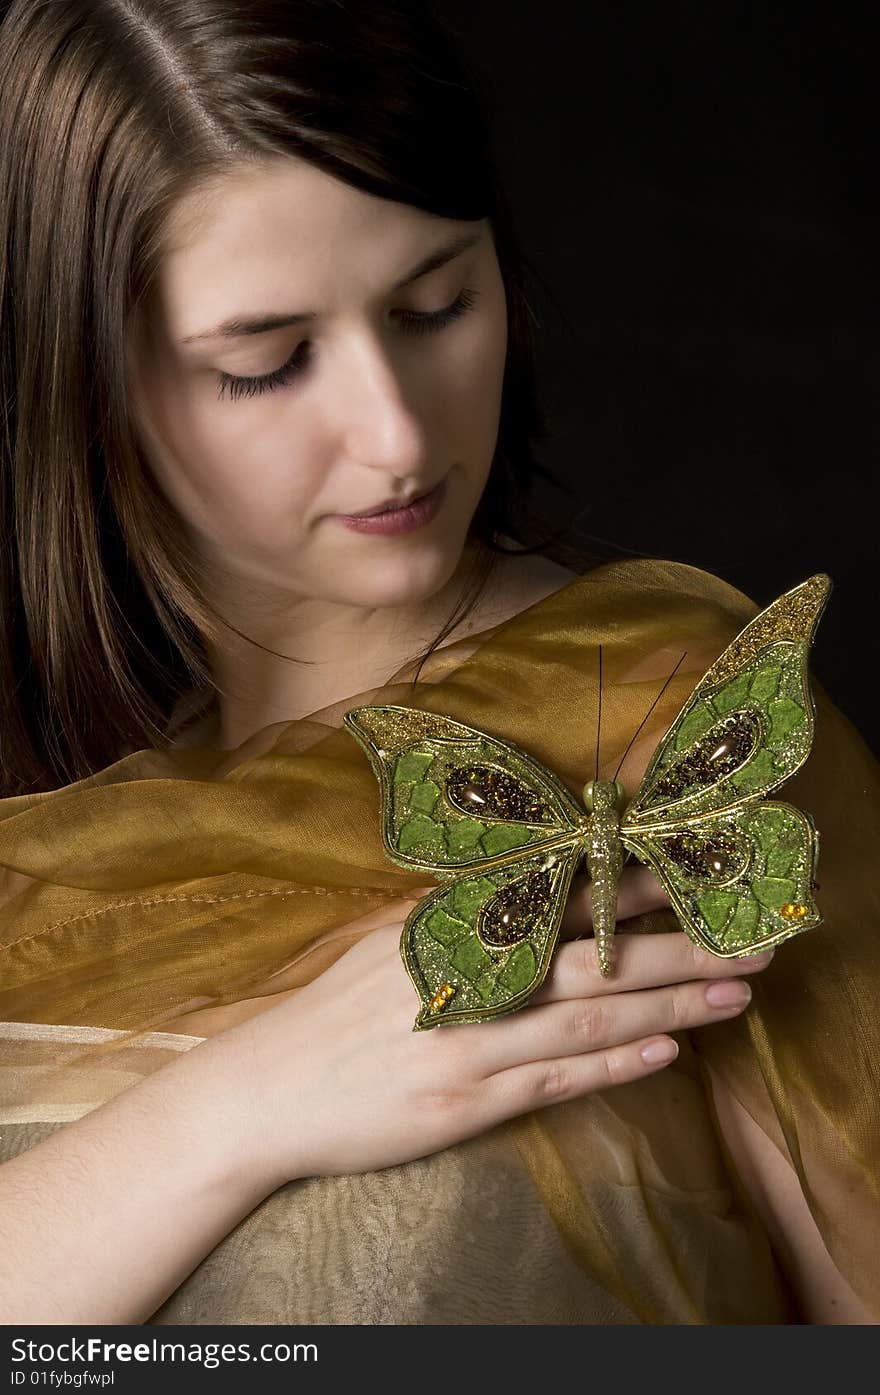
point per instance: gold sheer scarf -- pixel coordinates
(175, 887)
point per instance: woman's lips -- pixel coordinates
(394, 521)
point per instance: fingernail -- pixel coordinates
(763, 957)
(732, 992)
(658, 1053)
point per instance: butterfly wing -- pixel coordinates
(480, 947)
(739, 869)
(747, 726)
(454, 797)
(739, 881)
(503, 835)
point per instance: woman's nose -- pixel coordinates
(381, 420)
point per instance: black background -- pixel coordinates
(696, 187)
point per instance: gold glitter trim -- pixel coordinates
(793, 616)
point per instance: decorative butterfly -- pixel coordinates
(506, 836)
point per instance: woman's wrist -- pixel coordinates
(218, 1083)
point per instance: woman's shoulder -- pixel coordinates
(652, 584)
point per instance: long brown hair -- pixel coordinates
(110, 111)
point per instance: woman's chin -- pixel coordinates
(396, 578)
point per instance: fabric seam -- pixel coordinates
(210, 900)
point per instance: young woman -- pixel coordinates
(268, 442)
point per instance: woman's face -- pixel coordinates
(376, 404)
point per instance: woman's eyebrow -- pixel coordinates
(238, 325)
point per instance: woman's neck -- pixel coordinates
(349, 651)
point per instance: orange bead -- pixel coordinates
(792, 910)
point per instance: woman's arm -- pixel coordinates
(823, 1293)
(102, 1220)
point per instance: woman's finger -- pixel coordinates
(559, 1029)
(539, 1083)
(640, 961)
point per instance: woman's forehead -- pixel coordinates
(293, 241)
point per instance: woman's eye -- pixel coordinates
(413, 322)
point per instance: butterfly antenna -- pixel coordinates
(648, 713)
(599, 722)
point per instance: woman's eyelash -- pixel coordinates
(414, 322)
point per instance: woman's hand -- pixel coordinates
(335, 1079)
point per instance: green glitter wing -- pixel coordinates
(429, 819)
(747, 726)
(503, 834)
(738, 869)
(734, 878)
(489, 937)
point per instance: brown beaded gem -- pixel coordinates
(479, 790)
(710, 859)
(514, 910)
(718, 752)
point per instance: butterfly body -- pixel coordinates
(505, 836)
(605, 856)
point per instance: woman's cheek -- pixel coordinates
(479, 377)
